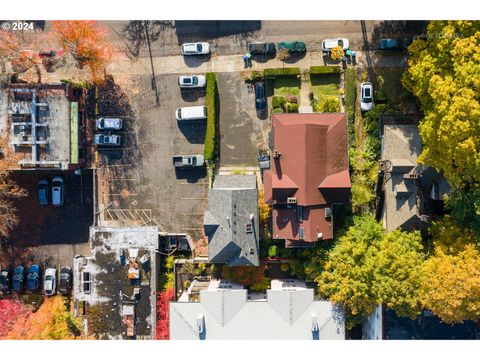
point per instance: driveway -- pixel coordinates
(141, 186)
(242, 132)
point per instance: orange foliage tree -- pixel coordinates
(163, 326)
(87, 42)
(252, 277)
(51, 321)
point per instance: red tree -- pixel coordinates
(11, 312)
(163, 328)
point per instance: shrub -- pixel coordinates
(252, 76)
(260, 286)
(328, 104)
(273, 251)
(277, 111)
(337, 53)
(186, 284)
(372, 148)
(292, 99)
(291, 108)
(324, 70)
(285, 267)
(350, 95)
(202, 267)
(380, 96)
(278, 101)
(211, 101)
(271, 73)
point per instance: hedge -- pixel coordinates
(278, 101)
(211, 101)
(281, 72)
(350, 95)
(324, 70)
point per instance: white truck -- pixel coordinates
(188, 161)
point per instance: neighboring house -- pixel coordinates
(309, 174)
(119, 279)
(410, 194)
(289, 311)
(43, 125)
(231, 220)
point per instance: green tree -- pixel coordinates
(465, 209)
(348, 274)
(398, 269)
(444, 74)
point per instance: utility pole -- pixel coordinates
(154, 83)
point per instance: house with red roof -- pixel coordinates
(309, 173)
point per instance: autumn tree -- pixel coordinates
(451, 285)
(252, 277)
(444, 74)
(88, 43)
(11, 312)
(163, 325)
(337, 53)
(52, 321)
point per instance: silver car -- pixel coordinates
(192, 81)
(200, 48)
(58, 191)
(106, 140)
(366, 96)
(109, 123)
(50, 282)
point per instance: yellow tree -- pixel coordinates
(451, 285)
(444, 73)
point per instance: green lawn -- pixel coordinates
(325, 84)
(287, 86)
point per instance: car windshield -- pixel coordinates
(194, 80)
(367, 93)
(199, 47)
(49, 278)
(102, 123)
(340, 43)
(17, 277)
(187, 80)
(32, 276)
(64, 276)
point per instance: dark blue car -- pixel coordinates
(33, 278)
(260, 99)
(18, 277)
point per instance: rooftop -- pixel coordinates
(309, 173)
(120, 278)
(411, 189)
(231, 220)
(36, 120)
(289, 311)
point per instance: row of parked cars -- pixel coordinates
(107, 126)
(266, 48)
(19, 279)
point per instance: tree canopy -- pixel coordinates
(444, 74)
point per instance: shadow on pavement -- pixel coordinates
(188, 30)
(192, 175)
(194, 132)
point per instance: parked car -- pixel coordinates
(192, 81)
(43, 192)
(292, 46)
(58, 191)
(33, 278)
(261, 48)
(199, 48)
(18, 278)
(389, 44)
(329, 44)
(109, 123)
(366, 96)
(191, 113)
(65, 280)
(50, 281)
(183, 161)
(5, 281)
(107, 140)
(260, 99)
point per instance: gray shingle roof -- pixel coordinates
(228, 224)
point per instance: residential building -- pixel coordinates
(288, 311)
(410, 194)
(119, 281)
(231, 221)
(43, 126)
(309, 174)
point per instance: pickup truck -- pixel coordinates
(184, 161)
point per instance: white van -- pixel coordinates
(191, 113)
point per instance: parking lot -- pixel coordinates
(242, 131)
(139, 184)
